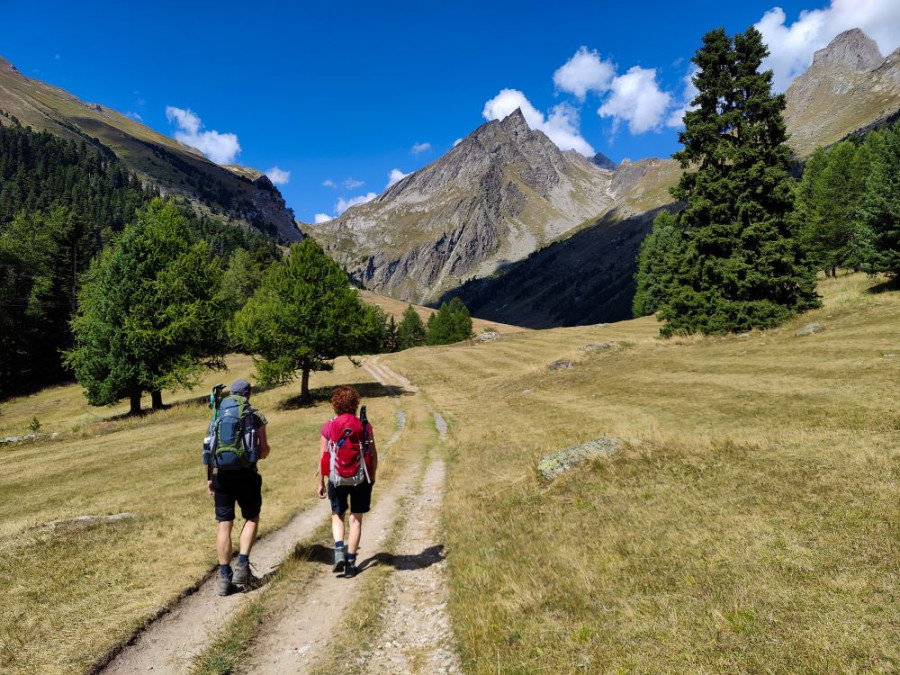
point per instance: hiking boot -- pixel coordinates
(242, 574)
(350, 570)
(225, 587)
(338, 560)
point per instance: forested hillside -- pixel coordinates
(61, 202)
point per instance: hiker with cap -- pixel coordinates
(236, 441)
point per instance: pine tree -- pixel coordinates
(451, 323)
(740, 266)
(880, 208)
(411, 331)
(659, 252)
(304, 314)
(149, 314)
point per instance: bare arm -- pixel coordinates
(320, 479)
(263, 442)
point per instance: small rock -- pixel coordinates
(609, 344)
(809, 329)
(487, 336)
(570, 458)
(743, 336)
(890, 356)
(561, 364)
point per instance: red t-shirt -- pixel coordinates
(325, 459)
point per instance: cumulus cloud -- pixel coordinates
(584, 72)
(637, 99)
(395, 177)
(329, 183)
(278, 176)
(562, 126)
(220, 148)
(418, 148)
(689, 93)
(792, 46)
(344, 204)
(322, 218)
(352, 183)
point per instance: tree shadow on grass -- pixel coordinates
(888, 286)
(324, 555)
(323, 394)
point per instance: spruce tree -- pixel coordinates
(880, 209)
(739, 265)
(304, 314)
(411, 331)
(659, 252)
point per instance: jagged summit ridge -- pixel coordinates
(851, 49)
(502, 192)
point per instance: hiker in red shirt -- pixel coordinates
(348, 462)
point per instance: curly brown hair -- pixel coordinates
(345, 400)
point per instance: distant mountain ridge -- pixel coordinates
(243, 195)
(584, 274)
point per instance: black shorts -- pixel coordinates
(244, 487)
(360, 498)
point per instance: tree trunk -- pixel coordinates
(156, 398)
(305, 396)
(135, 403)
(834, 272)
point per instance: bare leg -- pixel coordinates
(337, 527)
(355, 532)
(248, 535)
(223, 542)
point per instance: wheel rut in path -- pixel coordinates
(416, 635)
(170, 643)
(292, 641)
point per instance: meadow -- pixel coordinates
(750, 524)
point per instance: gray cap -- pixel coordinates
(240, 388)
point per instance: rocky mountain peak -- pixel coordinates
(852, 50)
(603, 161)
(7, 67)
(515, 123)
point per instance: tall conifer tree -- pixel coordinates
(738, 265)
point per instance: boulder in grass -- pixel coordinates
(561, 364)
(570, 458)
(809, 329)
(487, 336)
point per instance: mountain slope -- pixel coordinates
(174, 167)
(585, 274)
(849, 86)
(501, 193)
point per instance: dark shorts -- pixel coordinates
(360, 497)
(243, 487)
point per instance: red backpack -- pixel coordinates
(347, 445)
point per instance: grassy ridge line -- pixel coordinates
(754, 529)
(75, 591)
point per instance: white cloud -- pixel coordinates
(278, 176)
(457, 142)
(352, 183)
(135, 116)
(395, 177)
(344, 204)
(689, 93)
(322, 218)
(220, 148)
(420, 147)
(636, 99)
(792, 47)
(584, 72)
(329, 183)
(562, 127)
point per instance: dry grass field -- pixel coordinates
(752, 526)
(73, 590)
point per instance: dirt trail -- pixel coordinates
(416, 635)
(170, 643)
(292, 641)
(387, 376)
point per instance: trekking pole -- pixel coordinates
(364, 419)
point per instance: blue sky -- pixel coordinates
(349, 92)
